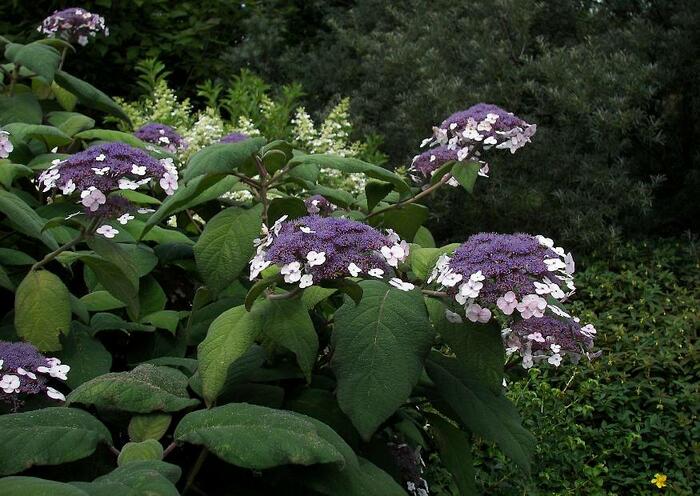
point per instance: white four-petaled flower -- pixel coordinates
(316, 258)
(107, 231)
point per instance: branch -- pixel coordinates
(420, 195)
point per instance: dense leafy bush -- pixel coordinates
(304, 339)
(606, 429)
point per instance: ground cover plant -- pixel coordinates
(166, 337)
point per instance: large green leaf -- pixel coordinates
(24, 219)
(42, 310)
(466, 173)
(379, 348)
(455, 453)
(50, 436)
(405, 220)
(353, 165)
(257, 437)
(52, 136)
(117, 279)
(150, 449)
(136, 478)
(148, 426)
(481, 409)
(87, 356)
(226, 245)
(364, 479)
(21, 107)
(228, 338)
(70, 122)
(145, 389)
(287, 323)
(37, 57)
(88, 95)
(423, 260)
(222, 158)
(33, 486)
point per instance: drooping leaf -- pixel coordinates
(290, 206)
(405, 220)
(52, 136)
(34, 486)
(70, 122)
(365, 479)
(20, 107)
(110, 135)
(376, 191)
(480, 409)
(136, 478)
(87, 356)
(379, 348)
(423, 260)
(24, 219)
(222, 158)
(287, 323)
(145, 389)
(150, 449)
(257, 437)
(466, 173)
(37, 57)
(42, 310)
(226, 245)
(424, 238)
(50, 436)
(88, 95)
(229, 337)
(118, 280)
(455, 453)
(99, 301)
(148, 426)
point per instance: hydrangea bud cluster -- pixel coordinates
(96, 175)
(73, 25)
(161, 135)
(25, 371)
(234, 138)
(313, 249)
(6, 145)
(465, 133)
(319, 205)
(524, 277)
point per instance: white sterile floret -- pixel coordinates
(453, 317)
(554, 264)
(554, 359)
(257, 265)
(306, 230)
(507, 303)
(124, 218)
(10, 383)
(125, 183)
(100, 171)
(138, 170)
(402, 285)
(107, 231)
(291, 272)
(21, 371)
(306, 281)
(54, 394)
(92, 198)
(476, 313)
(378, 273)
(589, 330)
(450, 279)
(558, 311)
(316, 258)
(532, 305)
(354, 270)
(55, 369)
(169, 183)
(555, 348)
(100, 158)
(536, 336)
(68, 187)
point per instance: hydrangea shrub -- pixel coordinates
(307, 337)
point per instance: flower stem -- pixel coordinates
(264, 184)
(285, 296)
(413, 199)
(84, 233)
(195, 469)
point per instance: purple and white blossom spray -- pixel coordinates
(525, 278)
(465, 134)
(319, 205)
(25, 371)
(161, 135)
(98, 174)
(313, 249)
(74, 25)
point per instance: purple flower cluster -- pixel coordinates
(319, 205)
(549, 338)
(161, 135)
(521, 276)
(25, 371)
(95, 173)
(312, 249)
(464, 134)
(234, 138)
(73, 25)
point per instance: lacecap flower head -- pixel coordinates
(74, 25)
(313, 249)
(234, 138)
(97, 174)
(161, 135)
(6, 145)
(464, 134)
(24, 371)
(521, 276)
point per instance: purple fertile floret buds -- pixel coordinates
(74, 25)
(313, 249)
(234, 138)
(161, 135)
(25, 371)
